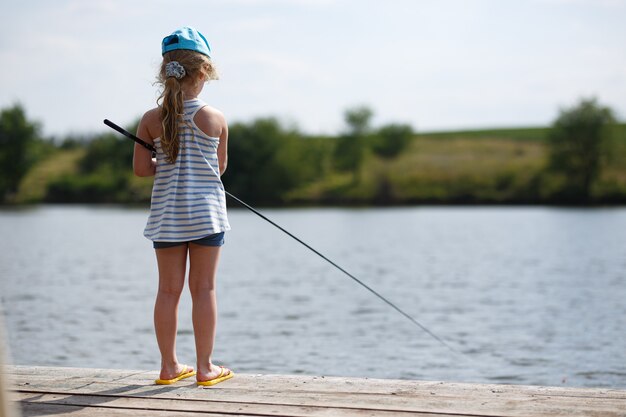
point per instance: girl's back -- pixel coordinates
(188, 200)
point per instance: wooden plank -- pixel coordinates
(449, 404)
(43, 409)
(436, 399)
(460, 402)
(299, 395)
(208, 407)
(80, 376)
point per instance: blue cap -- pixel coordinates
(186, 38)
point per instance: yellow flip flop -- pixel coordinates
(225, 374)
(185, 373)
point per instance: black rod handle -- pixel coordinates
(128, 135)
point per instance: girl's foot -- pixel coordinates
(213, 375)
(172, 374)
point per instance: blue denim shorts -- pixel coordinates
(216, 239)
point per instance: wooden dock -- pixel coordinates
(48, 391)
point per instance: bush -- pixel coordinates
(265, 161)
(94, 188)
(391, 140)
(18, 140)
(350, 147)
(578, 143)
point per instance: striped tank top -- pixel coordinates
(188, 200)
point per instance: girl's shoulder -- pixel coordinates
(210, 120)
(211, 112)
(151, 120)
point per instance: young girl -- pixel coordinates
(188, 206)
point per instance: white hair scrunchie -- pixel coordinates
(174, 69)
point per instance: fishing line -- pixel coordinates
(252, 209)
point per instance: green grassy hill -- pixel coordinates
(33, 187)
(496, 166)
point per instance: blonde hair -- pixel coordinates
(171, 99)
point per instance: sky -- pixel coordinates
(435, 64)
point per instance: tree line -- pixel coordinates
(273, 164)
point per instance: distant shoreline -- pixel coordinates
(503, 166)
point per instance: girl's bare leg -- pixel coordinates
(172, 264)
(203, 262)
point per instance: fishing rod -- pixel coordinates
(255, 211)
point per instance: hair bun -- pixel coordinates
(175, 69)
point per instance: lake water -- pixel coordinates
(528, 295)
